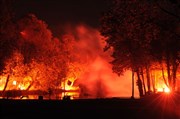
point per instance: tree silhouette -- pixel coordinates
(167, 44)
(128, 28)
(140, 33)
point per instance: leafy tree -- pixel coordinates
(35, 38)
(28, 49)
(129, 30)
(167, 44)
(14, 70)
(141, 33)
(38, 62)
(38, 46)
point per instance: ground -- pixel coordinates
(152, 107)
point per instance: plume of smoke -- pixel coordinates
(98, 79)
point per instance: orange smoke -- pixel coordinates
(97, 79)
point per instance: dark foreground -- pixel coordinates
(152, 107)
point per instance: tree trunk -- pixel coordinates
(162, 69)
(153, 79)
(139, 84)
(153, 85)
(148, 79)
(168, 71)
(132, 85)
(29, 86)
(174, 70)
(144, 86)
(5, 86)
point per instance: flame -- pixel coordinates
(164, 89)
(90, 66)
(69, 89)
(21, 87)
(167, 90)
(159, 81)
(14, 82)
(2, 82)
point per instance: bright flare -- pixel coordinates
(166, 90)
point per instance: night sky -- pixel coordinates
(58, 12)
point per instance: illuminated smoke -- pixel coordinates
(98, 80)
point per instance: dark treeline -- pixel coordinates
(144, 36)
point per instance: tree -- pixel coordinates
(35, 38)
(42, 51)
(141, 33)
(38, 62)
(128, 27)
(167, 44)
(14, 70)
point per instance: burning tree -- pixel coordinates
(39, 46)
(46, 63)
(38, 62)
(133, 29)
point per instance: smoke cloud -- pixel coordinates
(97, 79)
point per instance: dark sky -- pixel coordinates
(55, 12)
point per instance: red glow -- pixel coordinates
(89, 73)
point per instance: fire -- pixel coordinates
(21, 87)
(83, 61)
(165, 89)
(14, 82)
(69, 89)
(2, 82)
